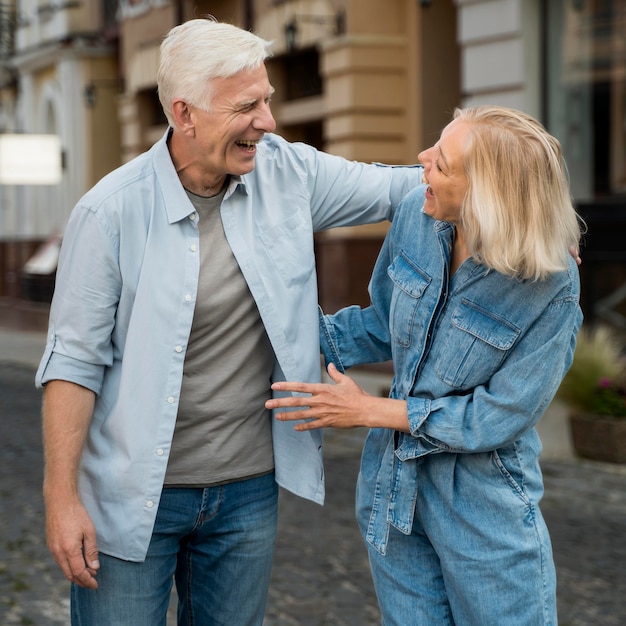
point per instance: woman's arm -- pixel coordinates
(340, 405)
(511, 402)
(485, 418)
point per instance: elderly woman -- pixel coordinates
(475, 298)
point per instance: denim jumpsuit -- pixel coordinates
(450, 512)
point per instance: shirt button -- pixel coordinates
(192, 217)
(187, 298)
(178, 348)
(193, 247)
(160, 452)
(170, 400)
(149, 504)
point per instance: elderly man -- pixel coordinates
(186, 286)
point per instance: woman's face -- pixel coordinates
(445, 174)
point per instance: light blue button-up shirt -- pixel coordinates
(126, 288)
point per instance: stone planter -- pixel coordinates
(599, 438)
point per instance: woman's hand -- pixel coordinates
(341, 404)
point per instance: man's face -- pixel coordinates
(240, 115)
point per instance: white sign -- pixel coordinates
(30, 159)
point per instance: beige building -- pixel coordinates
(350, 78)
(60, 76)
(365, 79)
(348, 73)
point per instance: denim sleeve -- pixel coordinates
(511, 402)
(353, 336)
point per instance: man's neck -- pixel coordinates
(191, 175)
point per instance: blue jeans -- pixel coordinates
(478, 552)
(218, 544)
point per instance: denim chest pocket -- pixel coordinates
(409, 284)
(474, 347)
(289, 245)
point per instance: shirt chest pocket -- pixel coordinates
(474, 347)
(409, 284)
(289, 245)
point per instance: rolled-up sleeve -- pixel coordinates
(83, 310)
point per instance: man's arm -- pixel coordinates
(71, 535)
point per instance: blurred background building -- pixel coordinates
(368, 80)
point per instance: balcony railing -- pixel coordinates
(109, 8)
(7, 30)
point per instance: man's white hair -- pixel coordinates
(196, 52)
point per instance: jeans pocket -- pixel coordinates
(509, 467)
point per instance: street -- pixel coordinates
(321, 575)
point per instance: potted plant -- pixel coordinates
(595, 390)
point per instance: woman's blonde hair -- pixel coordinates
(517, 216)
(195, 52)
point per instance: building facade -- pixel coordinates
(60, 76)
(564, 61)
(364, 79)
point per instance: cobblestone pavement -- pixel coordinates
(321, 575)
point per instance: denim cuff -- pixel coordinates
(328, 343)
(418, 410)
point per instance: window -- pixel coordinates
(302, 74)
(586, 92)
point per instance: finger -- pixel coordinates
(292, 416)
(292, 386)
(335, 375)
(574, 250)
(287, 403)
(310, 425)
(91, 551)
(79, 573)
(85, 579)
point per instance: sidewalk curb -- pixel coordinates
(22, 347)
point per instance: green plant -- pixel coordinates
(596, 381)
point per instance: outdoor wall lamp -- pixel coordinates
(337, 21)
(89, 94)
(90, 91)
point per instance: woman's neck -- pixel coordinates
(459, 252)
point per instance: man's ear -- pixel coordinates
(183, 118)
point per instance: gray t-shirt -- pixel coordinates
(223, 431)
